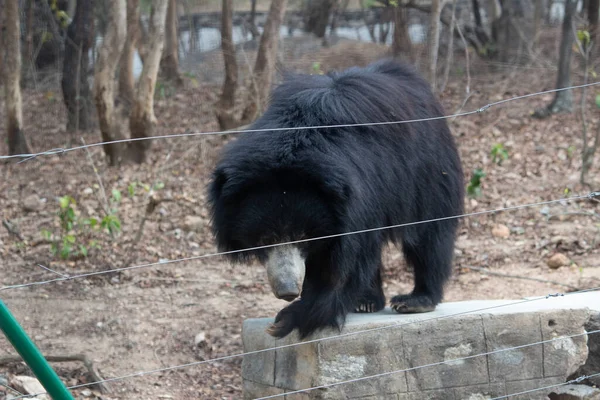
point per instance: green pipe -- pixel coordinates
(32, 355)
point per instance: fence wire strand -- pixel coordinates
(571, 382)
(12, 389)
(590, 195)
(30, 156)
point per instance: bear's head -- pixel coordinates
(272, 213)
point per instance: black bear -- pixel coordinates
(321, 177)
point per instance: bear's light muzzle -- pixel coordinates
(285, 270)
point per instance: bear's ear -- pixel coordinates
(228, 182)
(336, 184)
(215, 190)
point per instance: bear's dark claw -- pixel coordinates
(412, 304)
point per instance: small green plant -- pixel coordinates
(570, 150)
(111, 222)
(70, 240)
(164, 90)
(584, 37)
(474, 187)
(499, 153)
(316, 68)
(131, 189)
(77, 235)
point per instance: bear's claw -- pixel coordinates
(278, 329)
(412, 304)
(366, 308)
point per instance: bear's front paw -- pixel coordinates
(411, 303)
(284, 324)
(370, 303)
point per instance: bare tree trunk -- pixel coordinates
(126, 77)
(384, 30)
(537, 18)
(477, 14)
(563, 100)
(2, 15)
(104, 78)
(169, 64)
(592, 14)
(317, 16)
(142, 42)
(264, 68)
(584, 7)
(434, 40)
(450, 52)
(401, 43)
(340, 7)
(11, 37)
(142, 120)
(28, 54)
(252, 22)
(225, 107)
(74, 82)
(587, 151)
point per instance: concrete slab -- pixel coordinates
(422, 351)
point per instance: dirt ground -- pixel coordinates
(178, 313)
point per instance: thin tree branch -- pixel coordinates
(94, 375)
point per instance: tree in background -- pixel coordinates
(126, 77)
(104, 78)
(264, 68)
(169, 63)
(433, 37)
(225, 107)
(11, 69)
(401, 43)
(1, 41)
(316, 16)
(563, 100)
(512, 33)
(142, 119)
(592, 17)
(28, 64)
(74, 82)
(252, 21)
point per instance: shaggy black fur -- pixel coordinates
(294, 184)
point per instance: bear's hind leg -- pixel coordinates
(373, 298)
(431, 259)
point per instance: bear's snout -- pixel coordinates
(286, 269)
(287, 293)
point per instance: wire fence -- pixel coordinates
(64, 277)
(30, 156)
(359, 332)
